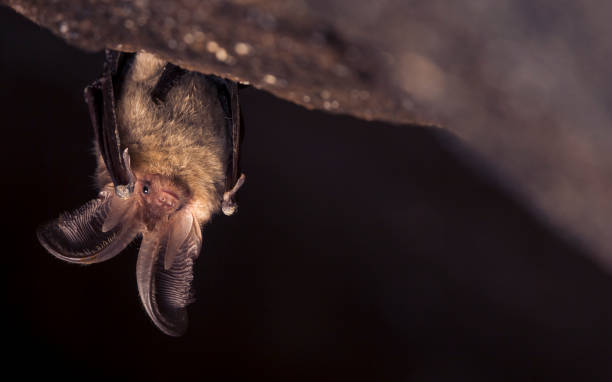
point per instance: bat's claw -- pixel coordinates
(124, 191)
(229, 206)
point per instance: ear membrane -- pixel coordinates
(79, 237)
(166, 292)
(117, 212)
(180, 227)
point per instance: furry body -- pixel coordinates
(164, 130)
(183, 138)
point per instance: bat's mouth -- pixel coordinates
(168, 199)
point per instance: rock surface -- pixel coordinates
(524, 82)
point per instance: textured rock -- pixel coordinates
(524, 82)
(283, 47)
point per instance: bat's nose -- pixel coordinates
(166, 199)
(163, 202)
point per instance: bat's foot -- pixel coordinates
(229, 206)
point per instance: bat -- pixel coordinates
(167, 144)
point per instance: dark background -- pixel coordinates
(361, 251)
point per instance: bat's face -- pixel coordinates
(158, 197)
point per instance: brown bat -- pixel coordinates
(167, 143)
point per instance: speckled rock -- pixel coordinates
(524, 82)
(280, 46)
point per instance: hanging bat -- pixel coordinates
(167, 144)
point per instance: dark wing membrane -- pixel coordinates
(165, 293)
(237, 130)
(101, 97)
(93, 98)
(228, 98)
(230, 102)
(77, 236)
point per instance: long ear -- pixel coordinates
(79, 237)
(165, 293)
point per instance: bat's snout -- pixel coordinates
(166, 199)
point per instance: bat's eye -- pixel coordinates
(145, 190)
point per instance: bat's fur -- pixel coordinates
(177, 154)
(183, 138)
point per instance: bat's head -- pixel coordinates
(159, 210)
(159, 197)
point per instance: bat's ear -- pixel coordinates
(95, 232)
(165, 285)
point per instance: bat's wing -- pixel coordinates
(79, 237)
(165, 287)
(101, 98)
(230, 101)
